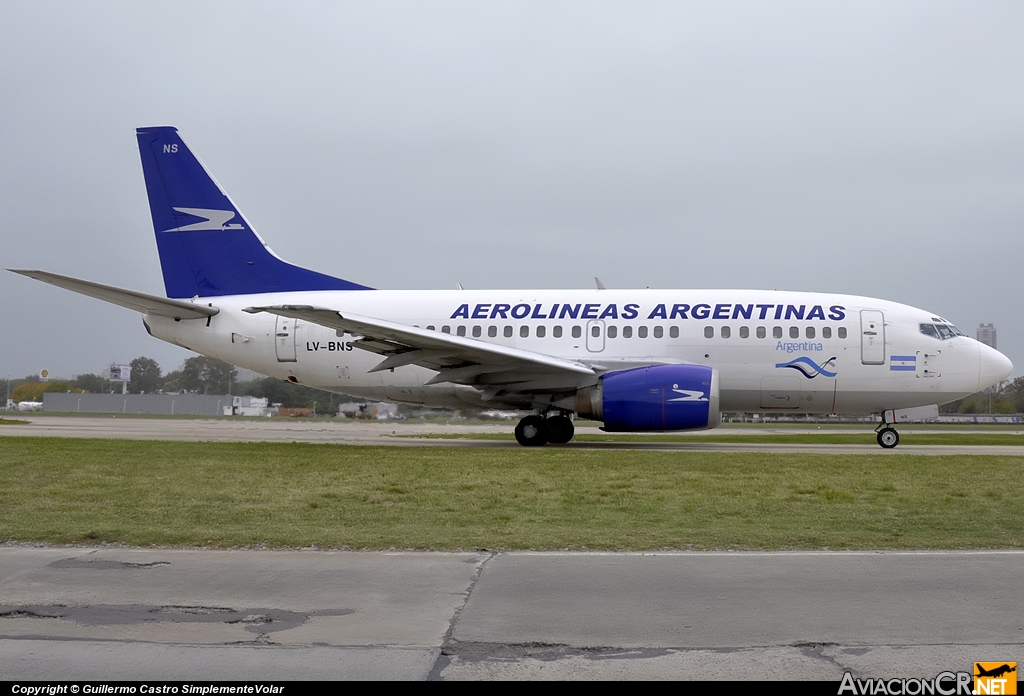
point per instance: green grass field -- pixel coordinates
(295, 495)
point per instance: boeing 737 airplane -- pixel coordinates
(637, 360)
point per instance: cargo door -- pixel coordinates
(781, 390)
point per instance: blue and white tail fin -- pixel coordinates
(207, 248)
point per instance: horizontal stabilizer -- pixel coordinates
(139, 301)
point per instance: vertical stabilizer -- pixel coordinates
(207, 248)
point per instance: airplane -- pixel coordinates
(643, 360)
(996, 672)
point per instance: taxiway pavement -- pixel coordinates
(116, 613)
(399, 434)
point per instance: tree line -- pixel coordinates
(1004, 398)
(198, 375)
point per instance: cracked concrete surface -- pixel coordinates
(116, 613)
(735, 615)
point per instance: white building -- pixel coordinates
(987, 335)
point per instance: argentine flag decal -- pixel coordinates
(903, 363)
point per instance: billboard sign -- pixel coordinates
(120, 373)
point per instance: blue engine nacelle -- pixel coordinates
(660, 397)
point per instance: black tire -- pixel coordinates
(560, 429)
(531, 432)
(888, 438)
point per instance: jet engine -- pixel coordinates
(655, 398)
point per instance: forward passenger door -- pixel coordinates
(872, 337)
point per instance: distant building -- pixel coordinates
(249, 406)
(987, 335)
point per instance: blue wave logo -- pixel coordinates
(810, 369)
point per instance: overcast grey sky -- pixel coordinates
(874, 148)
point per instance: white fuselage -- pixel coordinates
(774, 351)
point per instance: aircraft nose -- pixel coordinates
(993, 367)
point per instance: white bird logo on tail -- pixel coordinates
(212, 220)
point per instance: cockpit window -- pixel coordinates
(940, 331)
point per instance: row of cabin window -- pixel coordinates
(524, 331)
(577, 331)
(641, 331)
(794, 332)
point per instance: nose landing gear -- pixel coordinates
(887, 436)
(537, 431)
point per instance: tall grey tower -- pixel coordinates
(987, 335)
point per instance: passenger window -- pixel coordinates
(577, 332)
(709, 332)
(461, 330)
(476, 332)
(726, 332)
(826, 332)
(595, 331)
(524, 331)
(557, 332)
(761, 333)
(673, 332)
(658, 332)
(641, 332)
(508, 332)
(541, 331)
(810, 332)
(492, 331)
(612, 332)
(777, 331)
(446, 329)
(430, 327)
(842, 332)
(744, 332)
(794, 332)
(627, 332)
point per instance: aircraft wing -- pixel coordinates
(457, 359)
(139, 301)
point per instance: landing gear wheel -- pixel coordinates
(531, 432)
(888, 438)
(560, 429)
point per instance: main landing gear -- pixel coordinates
(536, 431)
(887, 436)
